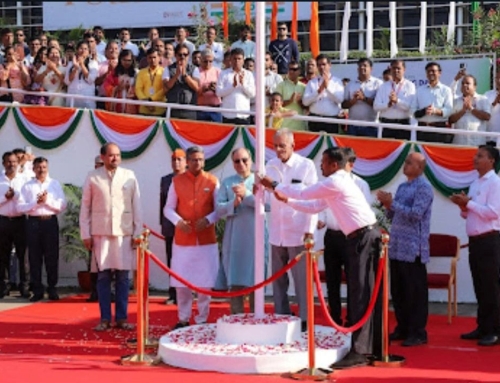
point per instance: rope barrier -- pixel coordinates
(369, 309)
(464, 246)
(218, 294)
(157, 235)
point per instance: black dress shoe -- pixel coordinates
(473, 335)
(351, 360)
(303, 326)
(414, 341)
(53, 296)
(92, 297)
(24, 293)
(36, 297)
(488, 340)
(181, 325)
(397, 335)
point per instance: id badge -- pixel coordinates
(151, 91)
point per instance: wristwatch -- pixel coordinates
(274, 184)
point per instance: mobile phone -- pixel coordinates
(463, 66)
(28, 149)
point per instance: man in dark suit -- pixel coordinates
(167, 227)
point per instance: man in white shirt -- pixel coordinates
(432, 105)
(126, 43)
(245, 43)
(12, 224)
(481, 210)
(181, 38)
(493, 97)
(271, 79)
(42, 198)
(287, 226)
(359, 97)
(236, 87)
(100, 41)
(393, 101)
(323, 95)
(344, 198)
(216, 48)
(335, 251)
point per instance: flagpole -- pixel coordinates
(260, 46)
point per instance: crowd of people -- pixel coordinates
(214, 75)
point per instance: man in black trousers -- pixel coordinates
(338, 192)
(167, 227)
(42, 198)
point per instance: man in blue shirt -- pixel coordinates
(410, 211)
(284, 49)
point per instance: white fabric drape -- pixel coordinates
(393, 28)
(43, 132)
(344, 39)
(423, 26)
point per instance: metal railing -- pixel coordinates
(169, 106)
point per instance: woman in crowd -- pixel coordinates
(120, 83)
(36, 81)
(13, 74)
(51, 76)
(80, 77)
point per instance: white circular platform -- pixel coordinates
(195, 348)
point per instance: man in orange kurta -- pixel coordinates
(190, 207)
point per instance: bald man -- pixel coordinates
(410, 211)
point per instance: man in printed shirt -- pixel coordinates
(433, 105)
(12, 224)
(410, 211)
(42, 199)
(481, 210)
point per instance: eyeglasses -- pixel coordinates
(294, 69)
(239, 160)
(183, 54)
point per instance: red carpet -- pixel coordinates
(54, 342)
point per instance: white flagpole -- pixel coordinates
(260, 45)
(393, 25)
(423, 26)
(344, 39)
(369, 29)
(451, 22)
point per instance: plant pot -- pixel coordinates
(84, 281)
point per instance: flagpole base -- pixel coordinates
(148, 343)
(310, 374)
(388, 361)
(139, 360)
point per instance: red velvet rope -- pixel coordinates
(157, 235)
(464, 246)
(369, 309)
(219, 294)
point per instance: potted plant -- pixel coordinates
(71, 244)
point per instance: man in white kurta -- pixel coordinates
(110, 217)
(190, 207)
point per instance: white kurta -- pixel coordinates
(198, 264)
(113, 253)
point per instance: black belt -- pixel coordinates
(439, 124)
(319, 115)
(403, 121)
(12, 218)
(335, 232)
(361, 231)
(490, 233)
(42, 217)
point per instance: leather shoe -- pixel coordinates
(396, 335)
(181, 325)
(53, 296)
(473, 335)
(351, 360)
(488, 340)
(414, 341)
(36, 297)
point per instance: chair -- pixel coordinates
(441, 246)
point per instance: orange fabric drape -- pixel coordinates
(248, 13)
(225, 18)
(295, 27)
(314, 30)
(274, 21)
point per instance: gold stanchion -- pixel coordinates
(140, 358)
(386, 359)
(148, 342)
(311, 373)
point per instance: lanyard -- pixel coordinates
(152, 78)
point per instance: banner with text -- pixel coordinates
(136, 14)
